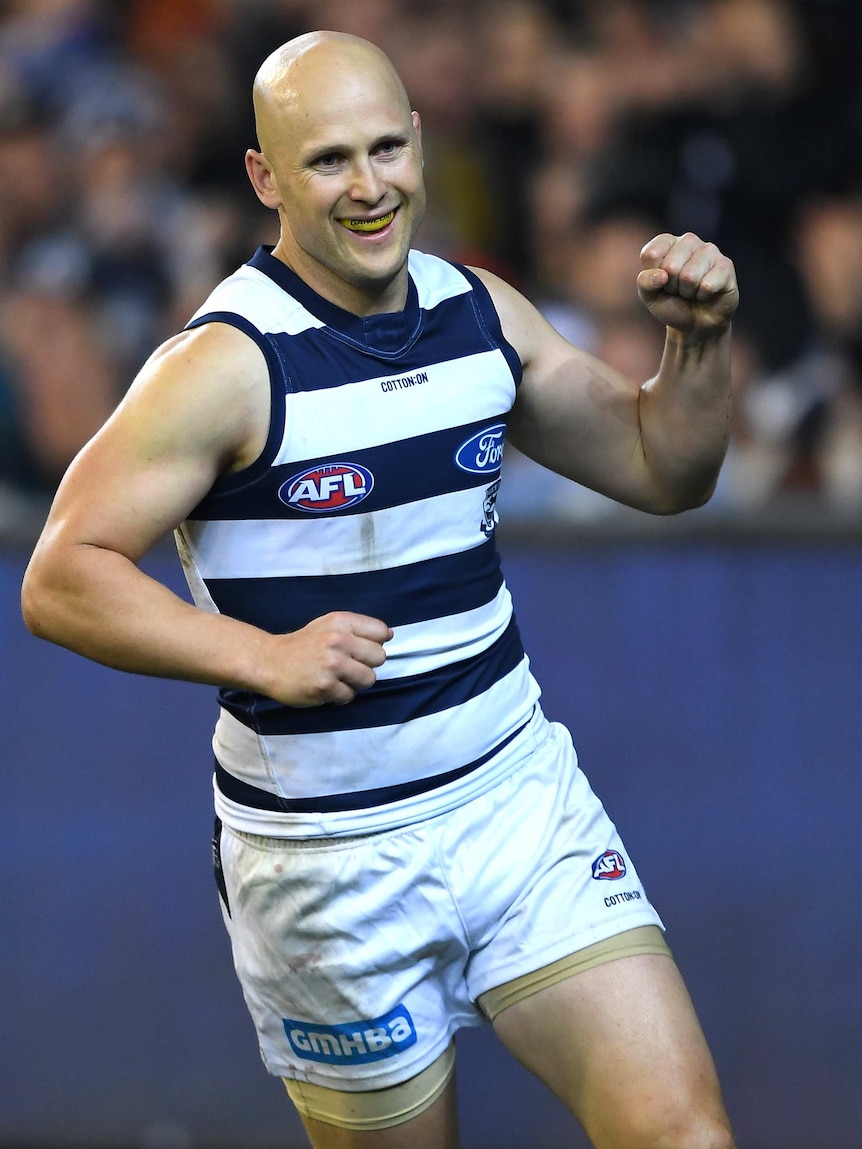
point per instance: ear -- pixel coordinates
(262, 179)
(417, 127)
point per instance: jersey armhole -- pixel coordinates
(278, 385)
(491, 319)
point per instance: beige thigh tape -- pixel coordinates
(642, 940)
(376, 1109)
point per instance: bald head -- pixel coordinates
(340, 160)
(294, 82)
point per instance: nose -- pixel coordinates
(366, 185)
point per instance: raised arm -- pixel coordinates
(199, 408)
(657, 445)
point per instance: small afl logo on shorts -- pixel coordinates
(332, 487)
(482, 452)
(353, 1042)
(609, 866)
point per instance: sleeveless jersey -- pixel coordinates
(375, 493)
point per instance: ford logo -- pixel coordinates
(483, 452)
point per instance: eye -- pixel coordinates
(388, 148)
(328, 161)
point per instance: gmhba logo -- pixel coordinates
(356, 1042)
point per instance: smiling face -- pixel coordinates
(341, 162)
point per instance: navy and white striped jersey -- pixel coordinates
(375, 493)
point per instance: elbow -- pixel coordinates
(32, 608)
(685, 486)
(36, 604)
(680, 498)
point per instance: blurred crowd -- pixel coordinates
(560, 136)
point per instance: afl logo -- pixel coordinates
(483, 452)
(609, 866)
(332, 487)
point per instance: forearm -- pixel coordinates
(684, 416)
(97, 603)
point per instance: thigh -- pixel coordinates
(620, 1045)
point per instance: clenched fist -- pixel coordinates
(688, 284)
(328, 660)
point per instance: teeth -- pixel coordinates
(369, 225)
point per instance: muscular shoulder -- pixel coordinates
(211, 386)
(199, 407)
(523, 324)
(543, 351)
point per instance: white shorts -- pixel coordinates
(360, 957)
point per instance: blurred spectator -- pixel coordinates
(60, 386)
(518, 38)
(433, 51)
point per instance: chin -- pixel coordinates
(378, 277)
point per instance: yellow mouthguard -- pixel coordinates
(368, 224)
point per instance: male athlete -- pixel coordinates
(404, 845)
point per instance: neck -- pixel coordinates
(373, 299)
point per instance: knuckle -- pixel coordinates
(328, 677)
(325, 685)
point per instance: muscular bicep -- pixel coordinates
(580, 419)
(199, 408)
(573, 413)
(126, 490)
